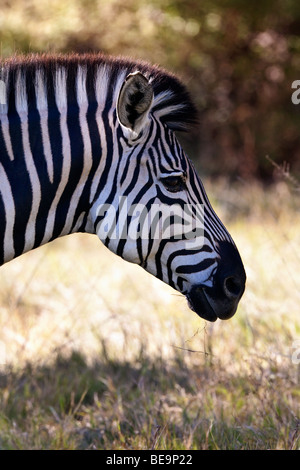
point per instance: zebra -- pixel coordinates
(81, 134)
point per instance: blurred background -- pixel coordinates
(95, 352)
(238, 59)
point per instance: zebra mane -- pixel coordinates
(172, 102)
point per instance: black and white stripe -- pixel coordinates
(81, 131)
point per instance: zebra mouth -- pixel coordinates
(199, 303)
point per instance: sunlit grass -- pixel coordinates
(99, 354)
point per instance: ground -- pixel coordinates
(98, 354)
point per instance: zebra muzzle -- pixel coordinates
(222, 298)
(211, 307)
(199, 303)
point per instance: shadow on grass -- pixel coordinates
(72, 379)
(148, 404)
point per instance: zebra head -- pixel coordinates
(156, 212)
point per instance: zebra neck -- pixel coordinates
(48, 163)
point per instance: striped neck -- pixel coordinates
(58, 139)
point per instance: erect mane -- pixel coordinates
(171, 99)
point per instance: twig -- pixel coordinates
(284, 171)
(192, 350)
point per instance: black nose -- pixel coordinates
(230, 277)
(221, 299)
(233, 287)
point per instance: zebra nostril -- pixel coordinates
(232, 287)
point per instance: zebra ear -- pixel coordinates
(134, 101)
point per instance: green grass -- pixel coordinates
(115, 404)
(101, 355)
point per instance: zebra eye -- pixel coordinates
(174, 183)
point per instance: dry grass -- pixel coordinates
(99, 354)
